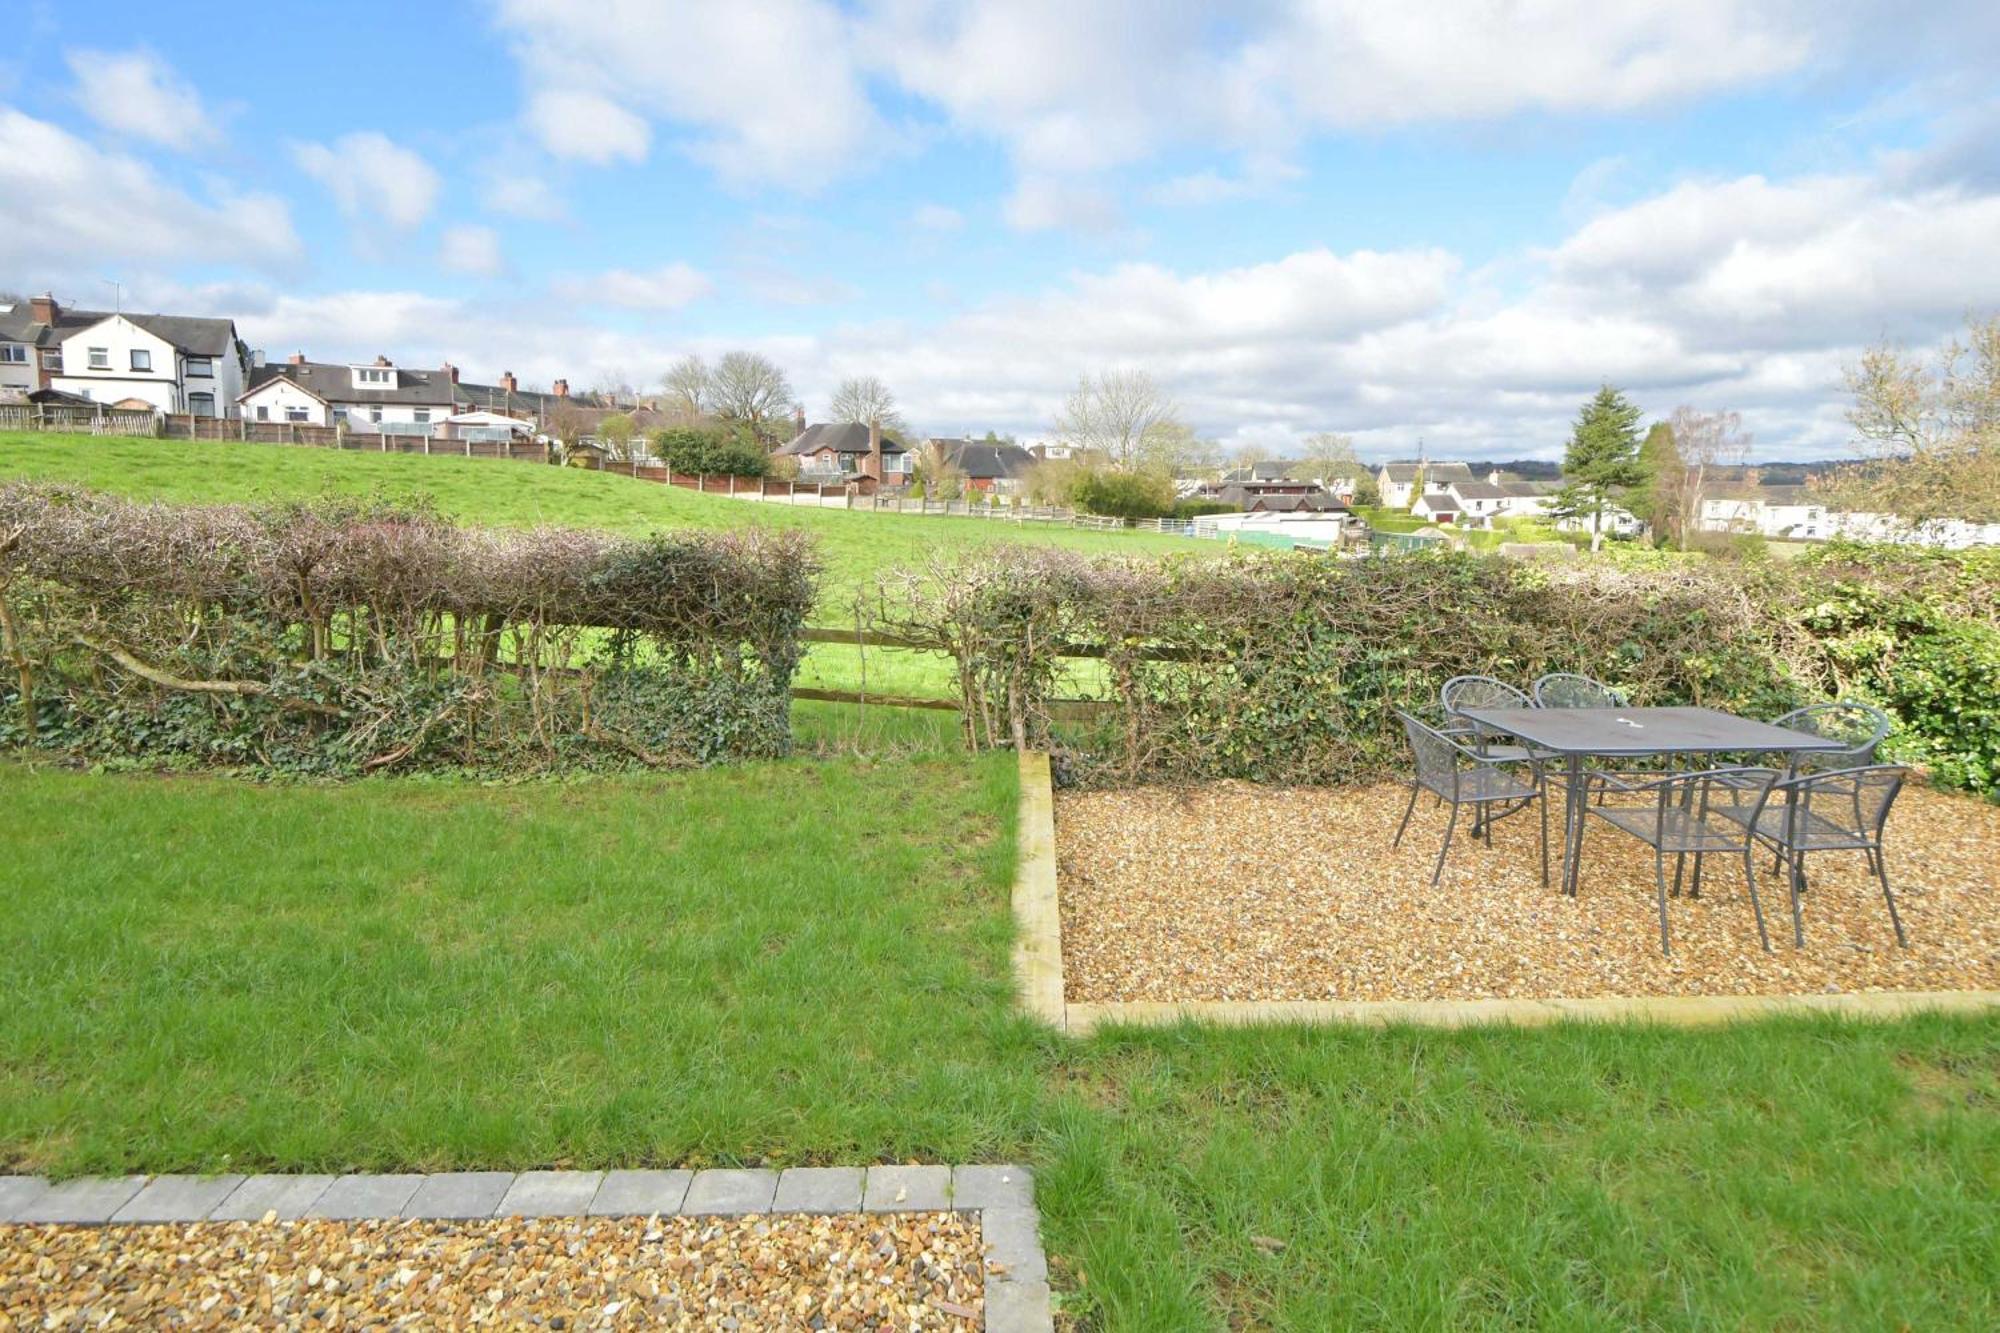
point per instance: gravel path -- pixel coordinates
(903, 1271)
(1236, 892)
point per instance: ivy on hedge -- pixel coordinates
(1289, 667)
(341, 637)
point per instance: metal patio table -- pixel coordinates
(1577, 734)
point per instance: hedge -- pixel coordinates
(341, 637)
(1288, 667)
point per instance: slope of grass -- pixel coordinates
(809, 963)
(857, 546)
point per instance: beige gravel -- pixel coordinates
(904, 1271)
(1236, 892)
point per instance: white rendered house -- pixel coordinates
(178, 363)
(375, 398)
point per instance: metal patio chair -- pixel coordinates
(1699, 813)
(1844, 810)
(1458, 774)
(1567, 689)
(1862, 727)
(1463, 692)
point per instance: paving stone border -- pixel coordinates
(1003, 1198)
(1038, 973)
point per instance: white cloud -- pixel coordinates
(761, 93)
(1042, 203)
(667, 288)
(522, 194)
(66, 206)
(134, 93)
(371, 176)
(777, 285)
(938, 217)
(472, 249)
(587, 127)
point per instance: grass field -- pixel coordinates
(800, 962)
(857, 546)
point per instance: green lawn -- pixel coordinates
(807, 962)
(857, 546)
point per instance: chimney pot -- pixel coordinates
(562, 388)
(297, 358)
(451, 372)
(383, 361)
(43, 309)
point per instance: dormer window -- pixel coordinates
(374, 377)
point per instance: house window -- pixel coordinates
(202, 404)
(370, 375)
(14, 353)
(263, 413)
(375, 415)
(297, 414)
(201, 367)
(52, 360)
(141, 359)
(100, 358)
(422, 416)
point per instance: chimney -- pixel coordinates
(297, 358)
(257, 359)
(43, 309)
(508, 382)
(799, 418)
(562, 388)
(383, 361)
(873, 468)
(451, 372)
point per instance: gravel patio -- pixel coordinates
(782, 1271)
(1231, 891)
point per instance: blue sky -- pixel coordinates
(1297, 217)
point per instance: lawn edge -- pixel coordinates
(1038, 971)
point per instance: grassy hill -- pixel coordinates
(857, 546)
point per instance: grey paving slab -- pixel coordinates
(820, 1189)
(459, 1194)
(551, 1194)
(90, 1199)
(287, 1196)
(17, 1192)
(1018, 1307)
(641, 1193)
(731, 1193)
(178, 1199)
(359, 1196)
(975, 1187)
(1013, 1240)
(908, 1189)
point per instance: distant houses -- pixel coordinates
(172, 363)
(1789, 513)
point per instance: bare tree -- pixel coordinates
(937, 474)
(866, 401)
(751, 389)
(1704, 441)
(1111, 413)
(689, 388)
(1172, 448)
(1933, 431)
(1329, 457)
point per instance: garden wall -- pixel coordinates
(343, 637)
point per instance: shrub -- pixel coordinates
(1191, 509)
(342, 637)
(713, 450)
(1124, 494)
(1289, 667)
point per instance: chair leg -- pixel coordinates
(1796, 879)
(1680, 870)
(1895, 918)
(1694, 890)
(1660, 878)
(1408, 810)
(1544, 803)
(1450, 825)
(1750, 878)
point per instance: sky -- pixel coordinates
(1445, 223)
